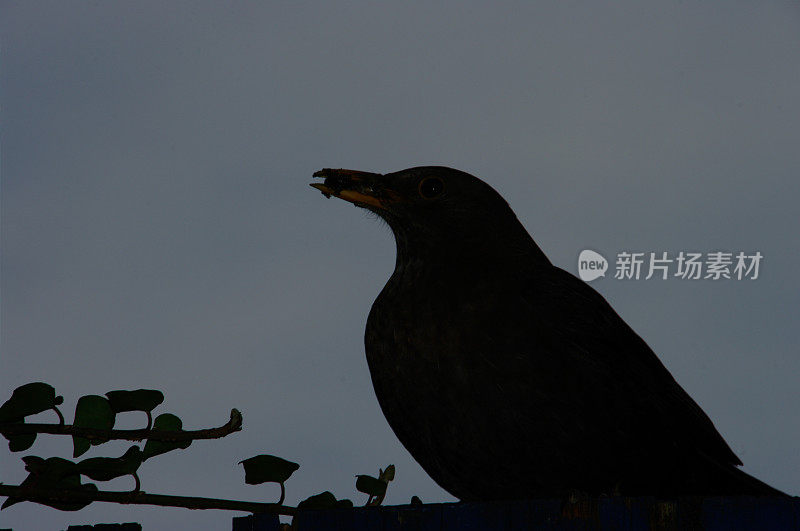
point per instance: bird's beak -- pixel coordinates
(359, 187)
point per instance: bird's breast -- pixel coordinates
(423, 343)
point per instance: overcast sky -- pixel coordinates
(158, 230)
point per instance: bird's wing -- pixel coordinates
(615, 374)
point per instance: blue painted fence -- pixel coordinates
(624, 514)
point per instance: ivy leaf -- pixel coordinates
(29, 399)
(92, 411)
(57, 467)
(20, 442)
(323, 500)
(164, 422)
(33, 462)
(387, 475)
(55, 474)
(72, 505)
(138, 400)
(370, 485)
(267, 468)
(108, 468)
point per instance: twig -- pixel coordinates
(143, 498)
(60, 416)
(234, 424)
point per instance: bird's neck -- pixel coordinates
(504, 254)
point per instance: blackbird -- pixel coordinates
(507, 377)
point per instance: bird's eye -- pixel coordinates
(431, 187)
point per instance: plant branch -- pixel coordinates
(143, 498)
(234, 424)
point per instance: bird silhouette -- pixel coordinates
(507, 377)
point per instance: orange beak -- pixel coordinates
(358, 187)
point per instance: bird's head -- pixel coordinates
(432, 207)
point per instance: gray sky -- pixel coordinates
(158, 230)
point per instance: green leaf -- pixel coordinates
(267, 468)
(33, 462)
(53, 473)
(29, 399)
(92, 411)
(80, 445)
(21, 441)
(415, 500)
(72, 506)
(57, 467)
(370, 485)
(388, 474)
(108, 468)
(138, 400)
(165, 422)
(323, 500)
